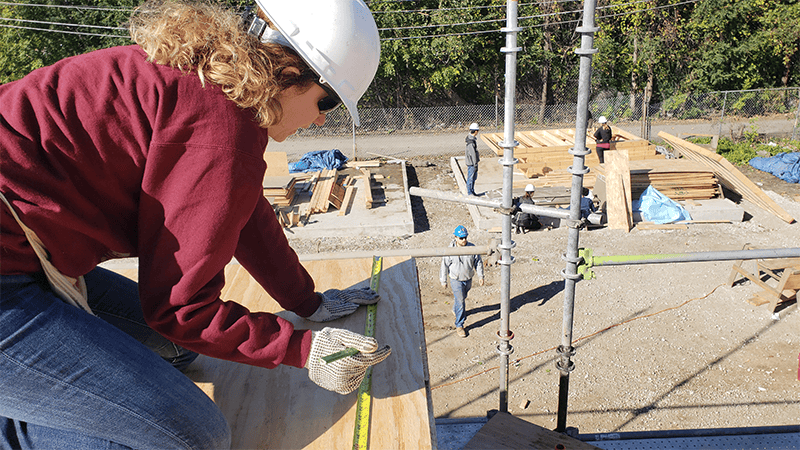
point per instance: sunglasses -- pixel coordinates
(329, 102)
(461, 238)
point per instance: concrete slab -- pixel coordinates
(390, 214)
(714, 209)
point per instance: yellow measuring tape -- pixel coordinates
(364, 400)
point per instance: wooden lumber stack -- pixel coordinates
(728, 174)
(678, 179)
(279, 190)
(545, 153)
(320, 199)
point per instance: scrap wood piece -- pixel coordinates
(660, 226)
(504, 431)
(728, 175)
(337, 195)
(348, 195)
(367, 176)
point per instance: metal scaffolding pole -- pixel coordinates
(578, 169)
(505, 335)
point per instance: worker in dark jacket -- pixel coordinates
(472, 158)
(603, 137)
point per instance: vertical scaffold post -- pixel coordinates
(578, 170)
(505, 335)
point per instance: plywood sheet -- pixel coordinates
(282, 408)
(618, 190)
(277, 164)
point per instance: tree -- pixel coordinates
(36, 35)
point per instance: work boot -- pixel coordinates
(461, 332)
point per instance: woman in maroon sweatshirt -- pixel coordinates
(155, 151)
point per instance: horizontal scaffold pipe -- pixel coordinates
(458, 198)
(622, 260)
(410, 252)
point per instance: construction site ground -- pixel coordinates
(657, 347)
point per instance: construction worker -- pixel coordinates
(524, 221)
(472, 157)
(460, 270)
(155, 151)
(603, 136)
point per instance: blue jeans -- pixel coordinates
(72, 380)
(460, 289)
(472, 175)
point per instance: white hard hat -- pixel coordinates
(529, 188)
(337, 38)
(474, 127)
(602, 119)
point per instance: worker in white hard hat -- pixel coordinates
(472, 157)
(155, 151)
(603, 137)
(523, 221)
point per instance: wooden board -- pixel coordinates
(504, 431)
(728, 174)
(282, 408)
(619, 206)
(277, 164)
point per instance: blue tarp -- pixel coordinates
(318, 160)
(658, 208)
(785, 166)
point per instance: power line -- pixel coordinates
(539, 25)
(463, 8)
(62, 24)
(64, 31)
(93, 8)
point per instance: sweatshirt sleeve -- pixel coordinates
(195, 203)
(265, 252)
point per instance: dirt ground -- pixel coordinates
(657, 346)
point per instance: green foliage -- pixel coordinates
(37, 35)
(445, 52)
(742, 152)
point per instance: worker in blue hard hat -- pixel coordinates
(460, 270)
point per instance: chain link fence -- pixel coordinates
(727, 114)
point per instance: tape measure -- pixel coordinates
(364, 400)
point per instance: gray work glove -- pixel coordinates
(339, 303)
(343, 375)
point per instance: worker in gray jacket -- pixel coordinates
(460, 270)
(472, 157)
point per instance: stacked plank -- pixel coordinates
(678, 179)
(728, 174)
(331, 190)
(545, 153)
(320, 199)
(279, 190)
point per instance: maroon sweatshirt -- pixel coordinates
(106, 155)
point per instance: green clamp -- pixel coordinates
(585, 266)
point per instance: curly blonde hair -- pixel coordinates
(209, 39)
